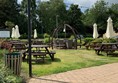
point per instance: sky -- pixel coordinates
(84, 4)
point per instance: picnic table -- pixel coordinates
(46, 51)
(109, 48)
(92, 45)
(17, 46)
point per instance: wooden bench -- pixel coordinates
(110, 51)
(106, 48)
(38, 55)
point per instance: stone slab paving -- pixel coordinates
(99, 74)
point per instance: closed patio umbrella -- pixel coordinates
(13, 33)
(35, 33)
(110, 32)
(95, 32)
(17, 34)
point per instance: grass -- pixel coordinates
(66, 60)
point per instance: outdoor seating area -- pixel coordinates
(65, 53)
(39, 52)
(13, 45)
(42, 54)
(38, 49)
(44, 37)
(65, 43)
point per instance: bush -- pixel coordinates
(6, 76)
(62, 35)
(46, 40)
(23, 36)
(88, 40)
(40, 35)
(98, 40)
(72, 37)
(82, 42)
(46, 35)
(110, 40)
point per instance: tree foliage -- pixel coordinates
(97, 14)
(46, 16)
(9, 11)
(9, 24)
(48, 11)
(113, 12)
(24, 11)
(74, 18)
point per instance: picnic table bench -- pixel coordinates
(45, 50)
(92, 45)
(37, 55)
(109, 48)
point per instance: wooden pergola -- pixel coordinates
(69, 27)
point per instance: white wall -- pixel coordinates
(4, 34)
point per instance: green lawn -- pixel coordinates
(66, 60)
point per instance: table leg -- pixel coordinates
(48, 52)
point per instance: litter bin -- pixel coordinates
(13, 61)
(69, 44)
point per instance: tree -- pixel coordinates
(97, 14)
(9, 11)
(24, 11)
(113, 12)
(74, 18)
(9, 24)
(48, 11)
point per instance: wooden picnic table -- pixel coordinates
(18, 46)
(51, 54)
(107, 47)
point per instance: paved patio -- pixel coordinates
(98, 74)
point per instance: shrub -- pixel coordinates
(82, 42)
(72, 37)
(6, 76)
(23, 36)
(110, 40)
(61, 35)
(40, 35)
(88, 40)
(98, 40)
(46, 35)
(46, 40)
